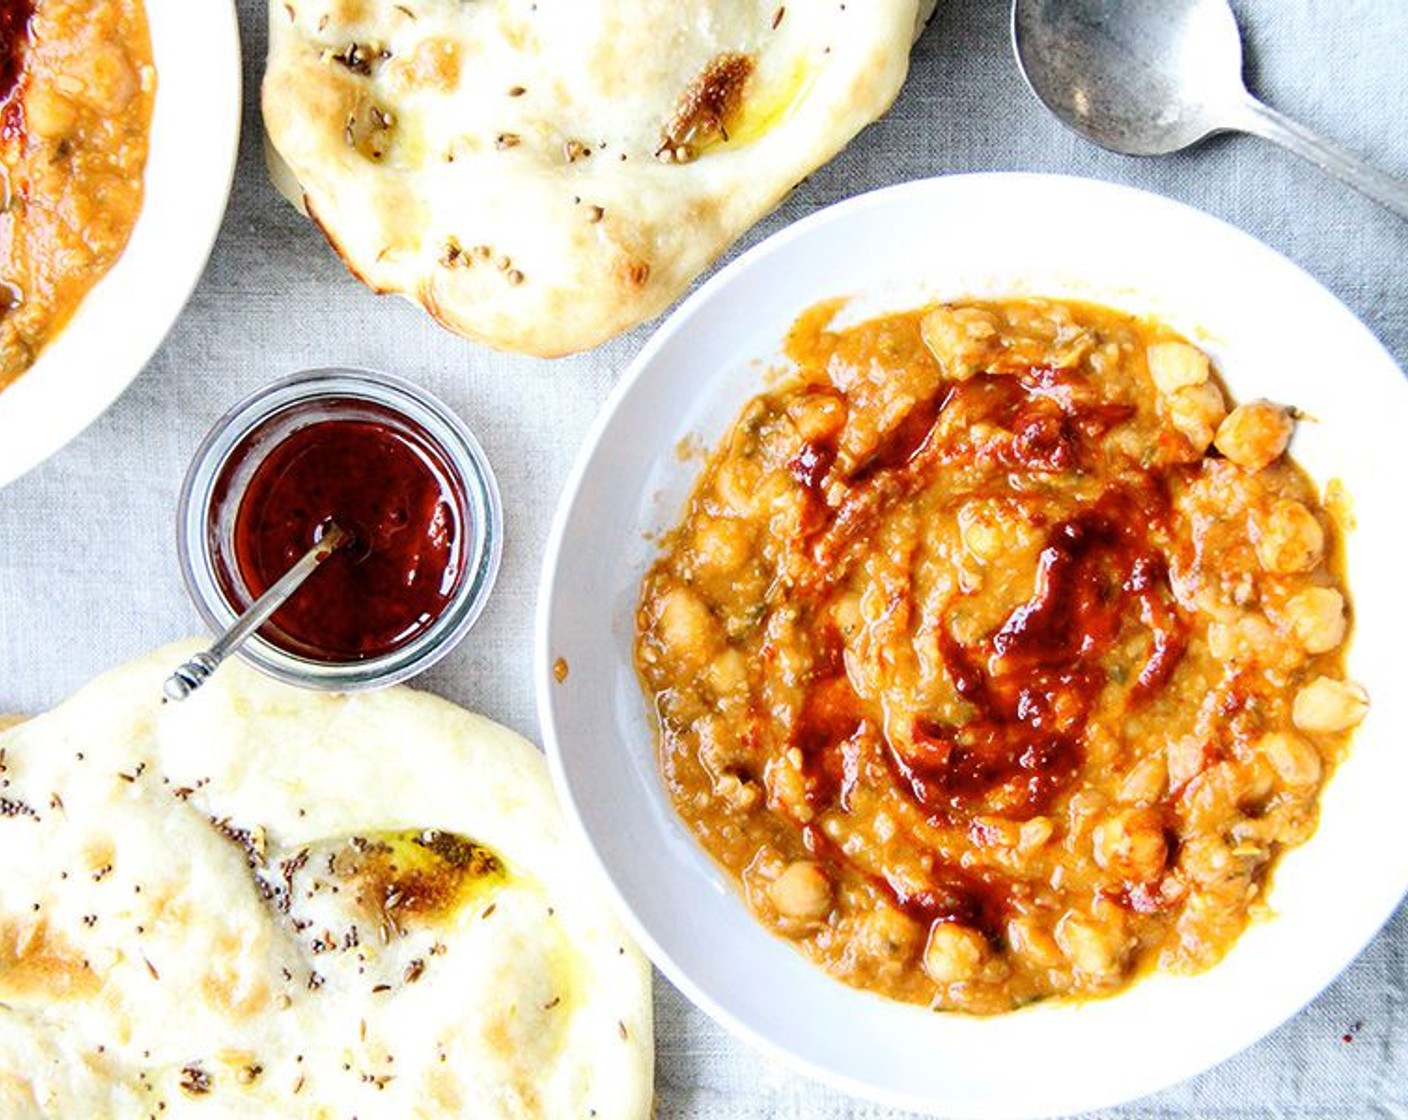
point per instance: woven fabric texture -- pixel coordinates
(88, 572)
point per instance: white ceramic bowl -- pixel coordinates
(122, 321)
(1274, 332)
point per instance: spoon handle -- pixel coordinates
(1267, 123)
(193, 673)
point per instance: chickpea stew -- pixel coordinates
(997, 657)
(77, 87)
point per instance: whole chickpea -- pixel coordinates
(1255, 434)
(1295, 761)
(721, 544)
(1316, 618)
(802, 892)
(1029, 940)
(48, 113)
(1095, 950)
(1326, 705)
(687, 627)
(1196, 411)
(1176, 365)
(1287, 536)
(954, 953)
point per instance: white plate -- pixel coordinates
(1274, 332)
(122, 321)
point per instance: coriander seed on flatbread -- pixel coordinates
(542, 176)
(265, 902)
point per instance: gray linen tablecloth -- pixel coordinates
(88, 575)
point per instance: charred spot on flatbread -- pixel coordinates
(709, 104)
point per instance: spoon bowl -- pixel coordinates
(1150, 77)
(1139, 77)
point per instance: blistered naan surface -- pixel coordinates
(542, 175)
(269, 902)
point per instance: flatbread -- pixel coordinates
(197, 916)
(543, 175)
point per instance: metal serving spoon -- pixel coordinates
(1149, 77)
(194, 673)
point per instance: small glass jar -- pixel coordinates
(230, 457)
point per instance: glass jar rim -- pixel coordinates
(441, 426)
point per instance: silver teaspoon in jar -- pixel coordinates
(1149, 77)
(194, 673)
